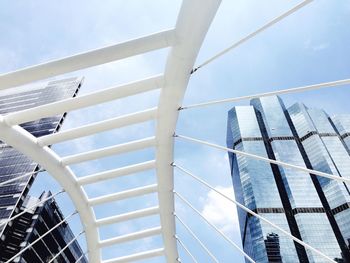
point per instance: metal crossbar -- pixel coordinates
(88, 100)
(98, 127)
(130, 237)
(138, 256)
(108, 151)
(128, 216)
(111, 174)
(88, 59)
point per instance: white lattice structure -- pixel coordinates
(184, 42)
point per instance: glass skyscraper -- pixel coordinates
(27, 228)
(312, 208)
(17, 171)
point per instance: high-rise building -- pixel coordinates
(312, 208)
(17, 171)
(28, 227)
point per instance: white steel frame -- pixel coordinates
(184, 41)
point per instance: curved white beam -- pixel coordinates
(186, 40)
(26, 143)
(88, 59)
(193, 22)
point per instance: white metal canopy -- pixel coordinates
(184, 41)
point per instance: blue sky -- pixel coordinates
(311, 46)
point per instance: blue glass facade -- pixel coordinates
(256, 188)
(309, 206)
(14, 164)
(342, 125)
(36, 222)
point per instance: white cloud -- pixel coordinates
(9, 59)
(315, 47)
(220, 211)
(320, 46)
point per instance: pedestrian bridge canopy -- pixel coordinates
(183, 43)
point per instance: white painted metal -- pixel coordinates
(89, 59)
(185, 40)
(108, 151)
(83, 101)
(186, 250)
(253, 34)
(196, 238)
(192, 25)
(110, 174)
(215, 228)
(128, 216)
(248, 211)
(138, 256)
(97, 127)
(40, 238)
(271, 93)
(26, 143)
(130, 237)
(123, 195)
(257, 157)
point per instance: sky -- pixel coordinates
(309, 47)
